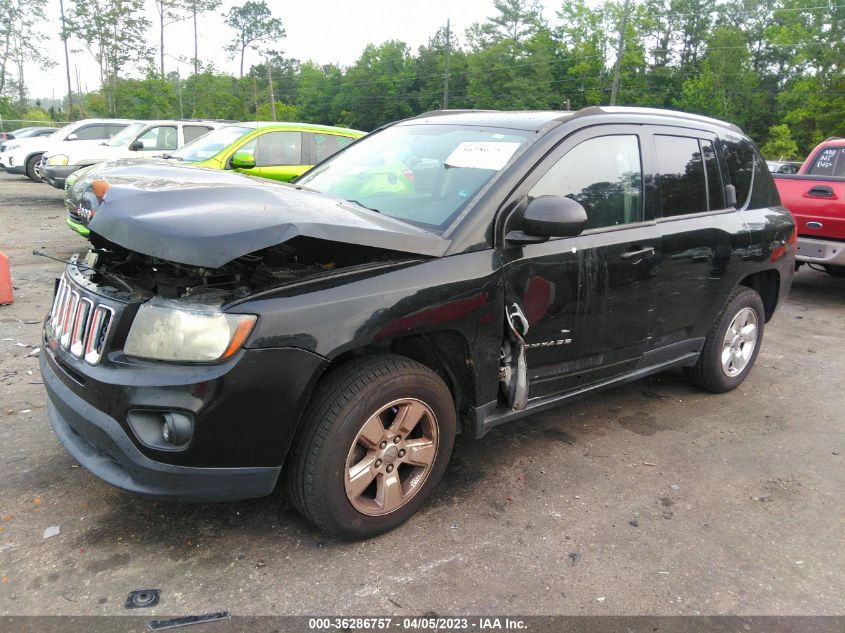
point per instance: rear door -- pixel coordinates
(588, 299)
(702, 238)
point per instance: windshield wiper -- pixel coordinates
(169, 156)
(363, 205)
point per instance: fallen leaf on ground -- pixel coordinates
(52, 531)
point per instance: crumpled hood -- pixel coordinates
(207, 217)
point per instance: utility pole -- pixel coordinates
(619, 50)
(67, 63)
(446, 73)
(179, 90)
(272, 96)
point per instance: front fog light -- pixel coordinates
(162, 430)
(176, 429)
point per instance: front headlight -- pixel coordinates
(57, 159)
(12, 146)
(166, 330)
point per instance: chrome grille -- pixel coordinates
(72, 213)
(79, 324)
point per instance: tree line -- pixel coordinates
(774, 68)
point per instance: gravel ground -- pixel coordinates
(652, 498)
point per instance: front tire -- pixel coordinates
(33, 169)
(376, 439)
(732, 345)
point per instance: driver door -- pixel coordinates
(588, 299)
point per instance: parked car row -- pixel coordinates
(23, 156)
(26, 132)
(280, 151)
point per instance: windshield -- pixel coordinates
(125, 135)
(421, 174)
(212, 143)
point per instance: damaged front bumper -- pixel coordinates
(102, 446)
(107, 409)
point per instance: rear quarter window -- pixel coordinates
(739, 157)
(764, 193)
(748, 172)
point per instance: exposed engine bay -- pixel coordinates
(137, 276)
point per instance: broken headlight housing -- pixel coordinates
(171, 331)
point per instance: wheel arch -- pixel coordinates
(765, 283)
(446, 352)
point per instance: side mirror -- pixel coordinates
(550, 216)
(136, 145)
(72, 137)
(243, 160)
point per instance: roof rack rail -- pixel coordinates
(657, 111)
(833, 138)
(432, 113)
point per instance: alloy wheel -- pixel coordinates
(739, 343)
(391, 457)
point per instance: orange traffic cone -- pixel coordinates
(6, 295)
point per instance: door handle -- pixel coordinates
(821, 191)
(641, 253)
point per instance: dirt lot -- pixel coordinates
(654, 498)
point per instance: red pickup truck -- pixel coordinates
(816, 197)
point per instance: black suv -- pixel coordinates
(448, 273)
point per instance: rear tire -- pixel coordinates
(732, 345)
(376, 439)
(32, 169)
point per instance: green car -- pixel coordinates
(279, 151)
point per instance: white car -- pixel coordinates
(137, 140)
(23, 156)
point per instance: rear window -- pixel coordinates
(829, 162)
(326, 145)
(193, 132)
(91, 132)
(681, 181)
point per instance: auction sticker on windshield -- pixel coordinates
(481, 155)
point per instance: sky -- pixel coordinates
(325, 31)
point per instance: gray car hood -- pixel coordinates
(206, 217)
